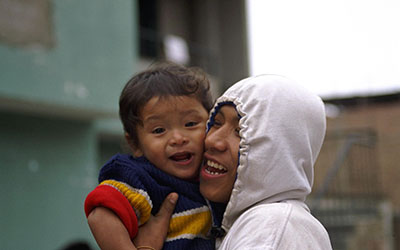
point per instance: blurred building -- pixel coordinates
(62, 67)
(357, 173)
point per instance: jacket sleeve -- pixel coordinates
(109, 197)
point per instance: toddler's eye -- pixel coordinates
(158, 130)
(190, 124)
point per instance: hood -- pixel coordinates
(282, 127)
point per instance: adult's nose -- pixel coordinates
(216, 140)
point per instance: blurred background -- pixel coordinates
(63, 64)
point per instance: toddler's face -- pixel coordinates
(172, 135)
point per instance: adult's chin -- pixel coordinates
(214, 193)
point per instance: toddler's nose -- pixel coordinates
(178, 138)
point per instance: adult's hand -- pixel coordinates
(154, 231)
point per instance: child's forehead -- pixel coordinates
(160, 106)
(172, 99)
(156, 102)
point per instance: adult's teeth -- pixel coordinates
(215, 165)
(213, 173)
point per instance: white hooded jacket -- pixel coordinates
(282, 128)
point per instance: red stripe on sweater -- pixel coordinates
(109, 197)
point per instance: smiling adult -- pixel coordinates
(264, 136)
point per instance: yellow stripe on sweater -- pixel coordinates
(138, 198)
(185, 225)
(190, 224)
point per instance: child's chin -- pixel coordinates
(189, 176)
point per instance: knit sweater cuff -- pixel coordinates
(109, 197)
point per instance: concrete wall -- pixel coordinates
(375, 168)
(58, 108)
(63, 64)
(216, 32)
(47, 167)
(385, 120)
(85, 70)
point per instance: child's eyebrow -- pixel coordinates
(190, 111)
(157, 117)
(153, 118)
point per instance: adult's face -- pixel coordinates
(218, 174)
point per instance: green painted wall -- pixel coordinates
(87, 68)
(49, 161)
(46, 168)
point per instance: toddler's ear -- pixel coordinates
(136, 151)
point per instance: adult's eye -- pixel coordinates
(217, 123)
(158, 131)
(237, 131)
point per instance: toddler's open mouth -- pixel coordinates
(181, 156)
